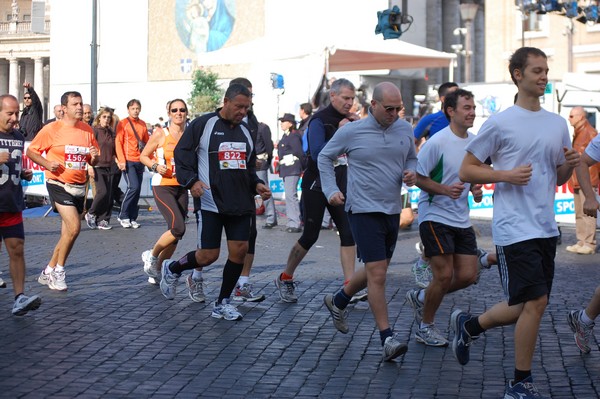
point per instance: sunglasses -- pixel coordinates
(182, 110)
(26, 98)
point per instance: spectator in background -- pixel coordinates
(433, 123)
(31, 117)
(289, 150)
(264, 157)
(585, 226)
(132, 136)
(305, 113)
(88, 114)
(103, 174)
(58, 114)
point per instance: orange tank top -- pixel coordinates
(164, 156)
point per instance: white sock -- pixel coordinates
(585, 318)
(243, 280)
(423, 325)
(197, 275)
(48, 269)
(59, 268)
(421, 296)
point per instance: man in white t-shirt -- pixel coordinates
(531, 154)
(444, 223)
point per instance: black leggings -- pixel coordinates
(253, 233)
(172, 202)
(314, 208)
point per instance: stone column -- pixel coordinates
(38, 78)
(3, 77)
(13, 77)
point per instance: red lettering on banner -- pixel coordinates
(564, 189)
(29, 164)
(489, 186)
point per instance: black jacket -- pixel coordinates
(31, 118)
(200, 154)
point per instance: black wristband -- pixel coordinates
(154, 167)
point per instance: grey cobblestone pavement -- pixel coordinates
(113, 335)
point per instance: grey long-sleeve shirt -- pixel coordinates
(377, 158)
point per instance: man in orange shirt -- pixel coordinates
(69, 145)
(585, 226)
(132, 136)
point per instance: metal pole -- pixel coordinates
(94, 59)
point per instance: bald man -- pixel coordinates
(585, 226)
(373, 202)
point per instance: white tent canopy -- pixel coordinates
(369, 54)
(303, 65)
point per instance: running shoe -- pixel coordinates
(43, 278)
(286, 290)
(57, 280)
(412, 297)
(422, 272)
(24, 304)
(462, 339)
(430, 336)
(169, 281)
(392, 348)
(225, 310)
(135, 224)
(360, 296)
(581, 331)
(245, 294)
(2, 283)
(103, 225)
(125, 223)
(150, 264)
(481, 254)
(338, 315)
(195, 289)
(91, 221)
(522, 390)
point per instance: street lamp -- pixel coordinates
(467, 14)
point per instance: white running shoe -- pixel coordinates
(226, 310)
(168, 281)
(91, 221)
(24, 304)
(150, 264)
(103, 225)
(135, 224)
(195, 289)
(57, 280)
(43, 278)
(125, 223)
(2, 283)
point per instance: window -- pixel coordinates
(532, 25)
(533, 22)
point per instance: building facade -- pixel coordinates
(24, 55)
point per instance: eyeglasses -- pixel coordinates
(395, 109)
(182, 110)
(27, 98)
